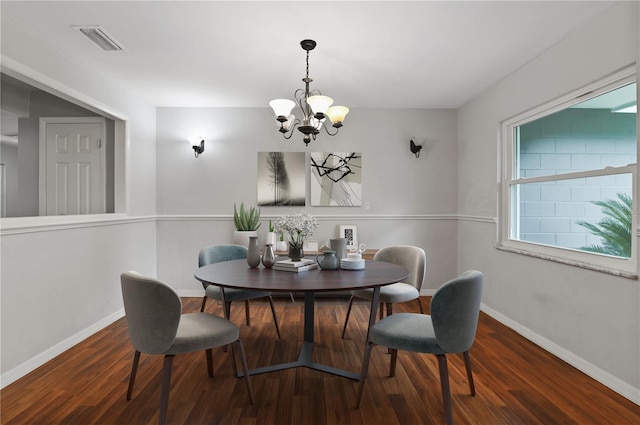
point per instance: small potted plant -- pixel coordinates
(247, 222)
(281, 245)
(271, 236)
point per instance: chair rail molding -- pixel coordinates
(20, 225)
(330, 217)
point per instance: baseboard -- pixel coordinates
(616, 384)
(191, 293)
(37, 361)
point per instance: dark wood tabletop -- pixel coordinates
(238, 274)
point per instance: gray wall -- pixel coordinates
(196, 196)
(59, 276)
(590, 319)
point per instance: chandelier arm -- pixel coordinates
(295, 124)
(300, 97)
(326, 127)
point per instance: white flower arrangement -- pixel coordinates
(299, 227)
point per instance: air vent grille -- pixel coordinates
(100, 37)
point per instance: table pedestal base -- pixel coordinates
(304, 358)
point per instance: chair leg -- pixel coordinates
(364, 371)
(209, 355)
(389, 313)
(346, 319)
(381, 311)
(134, 370)
(166, 388)
(233, 357)
(247, 313)
(394, 359)
(446, 392)
(467, 363)
(420, 305)
(227, 314)
(275, 319)
(204, 301)
(245, 369)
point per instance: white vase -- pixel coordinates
(282, 246)
(271, 239)
(241, 237)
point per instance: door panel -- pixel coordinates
(75, 175)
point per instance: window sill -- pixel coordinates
(570, 262)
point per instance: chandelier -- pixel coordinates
(315, 108)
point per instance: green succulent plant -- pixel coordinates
(614, 229)
(246, 219)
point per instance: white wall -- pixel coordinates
(588, 318)
(59, 277)
(412, 200)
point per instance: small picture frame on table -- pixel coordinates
(351, 234)
(310, 246)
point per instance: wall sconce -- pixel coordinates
(415, 149)
(198, 148)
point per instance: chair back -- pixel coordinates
(152, 309)
(455, 308)
(217, 253)
(411, 257)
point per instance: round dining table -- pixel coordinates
(237, 274)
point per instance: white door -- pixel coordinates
(73, 166)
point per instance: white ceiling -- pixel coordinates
(391, 54)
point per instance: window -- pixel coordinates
(569, 175)
(28, 191)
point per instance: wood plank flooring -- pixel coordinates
(516, 381)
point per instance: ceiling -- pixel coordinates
(381, 54)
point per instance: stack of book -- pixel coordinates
(289, 265)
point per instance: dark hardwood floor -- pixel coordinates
(516, 381)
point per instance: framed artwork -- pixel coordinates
(336, 179)
(281, 179)
(310, 246)
(351, 234)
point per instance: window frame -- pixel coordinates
(509, 180)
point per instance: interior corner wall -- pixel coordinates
(59, 283)
(412, 200)
(589, 319)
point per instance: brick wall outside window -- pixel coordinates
(574, 139)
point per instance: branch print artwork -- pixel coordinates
(336, 179)
(281, 179)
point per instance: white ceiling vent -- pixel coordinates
(100, 37)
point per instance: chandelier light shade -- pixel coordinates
(315, 109)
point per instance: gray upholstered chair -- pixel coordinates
(451, 328)
(156, 325)
(411, 257)
(217, 253)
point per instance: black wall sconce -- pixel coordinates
(198, 148)
(415, 149)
